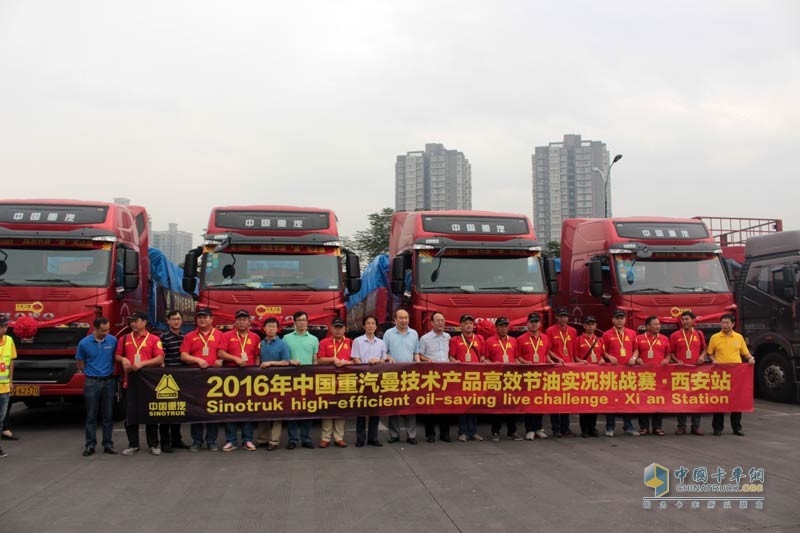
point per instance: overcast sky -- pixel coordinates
(182, 106)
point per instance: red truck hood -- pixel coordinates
(515, 307)
(321, 306)
(51, 306)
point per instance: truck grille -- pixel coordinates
(49, 339)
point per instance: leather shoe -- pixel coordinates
(738, 432)
(392, 440)
(324, 443)
(167, 449)
(359, 444)
(697, 431)
(110, 451)
(88, 451)
(180, 445)
(680, 431)
(308, 444)
(412, 441)
(341, 444)
(445, 438)
(717, 433)
(430, 438)
(375, 443)
(292, 445)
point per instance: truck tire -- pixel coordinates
(774, 378)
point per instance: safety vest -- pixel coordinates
(5, 359)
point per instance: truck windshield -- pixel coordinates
(54, 267)
(480, 274)
(236, 271)
(671, 275)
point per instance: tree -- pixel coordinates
(373, 241)
(552, 249)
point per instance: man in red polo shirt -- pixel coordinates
(653, 351)
(589, 348)
(467, 347)
(687, 347)
(335, 350)
(239, 349)
(562, 350)
(620, 349)
(138, 349)
(503, 349)
(534, 348)
(199, 349)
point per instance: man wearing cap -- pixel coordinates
(335, 350)
(200, 349)
(8, 352)
(534, 348)
(273, 352)
(402, 345)
(434, 347)
(562, 349)
(239, 349)
(619, 343)
(136, 350)
(303, 347)
(589, 349)
(687, 347)
(95, 358)
(171, 341)
(652, 349)
(503, 349)
(467, 347)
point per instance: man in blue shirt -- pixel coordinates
(95, 358)
(402, 345)
(274, 352)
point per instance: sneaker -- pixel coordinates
(609, 433)
(155, 450)
(249, 446)
(229, 447)
(477, 437)
(632, 432)
(4, 454)
(194, 447)
(738, 432)
(272, 446)
(462, 438)
(130, 451)
(515, 436)
(213, 448)
(530, 435)
(495, 437)
(541, 434)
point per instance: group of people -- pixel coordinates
(207, 346)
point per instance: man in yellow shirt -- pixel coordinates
(727, 347)
(8, 352)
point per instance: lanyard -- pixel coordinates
(337, 350)
(242, 345)
(537, 345)
(621, 339)
(504, 348)
(137, 357)
(690, 341)
(650, 344)
(591, 346)
(563, 339)
(469, 348)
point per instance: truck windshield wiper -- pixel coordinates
(459, 288)
(695, 289)
(648, 290)
(294, 286)
(232, 286)
(515, 289)
(55, 280)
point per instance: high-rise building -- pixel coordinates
(433, 180)
(568, 182)
(173, 243)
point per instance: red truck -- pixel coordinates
(645, 266)
(63, 263)
(273, 261)
(482, 263)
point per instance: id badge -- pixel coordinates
(536, 358)
(623, 352)
(137, 358)
(244, 357)
(205, 351)
(468, 357)
(650, 354)
(688, 354)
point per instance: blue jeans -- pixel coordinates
(231, 430)
(5, 399)
(305, 430)
(627, 422)
(468, 425)
(212, 431)
(559, 423)
(533, 422)
(98, 395)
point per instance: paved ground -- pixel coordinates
(553, 485)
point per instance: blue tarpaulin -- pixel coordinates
(166, 290)
(376, 275)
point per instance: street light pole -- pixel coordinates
(607, 182)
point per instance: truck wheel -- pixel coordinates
(774, 378)
(33, 404)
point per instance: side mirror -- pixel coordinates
(550, 275)
(353, 285)
(729, 271)
(131, 282)
(189, 282)
(352, 267)
(3, 267)
(398, 281)
(131, 263)
(788, 282)
(595, 278)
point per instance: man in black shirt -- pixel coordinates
(171, 341)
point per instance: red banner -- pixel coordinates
(191, 395)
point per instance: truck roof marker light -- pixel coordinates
(105, 238)
(336, 244)
(424, 247)
(535, 249)
(217, 237)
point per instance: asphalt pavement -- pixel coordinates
(573, 484)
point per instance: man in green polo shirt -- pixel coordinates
(303, 347)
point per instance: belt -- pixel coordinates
(100, 378)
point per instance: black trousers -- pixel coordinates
(431, 421)
(367, 431)
(656, 418)
(170, 435)
(718, 421)
(510, 421)
(150, 430)
(588, 422)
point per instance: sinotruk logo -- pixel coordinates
(657, 478)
